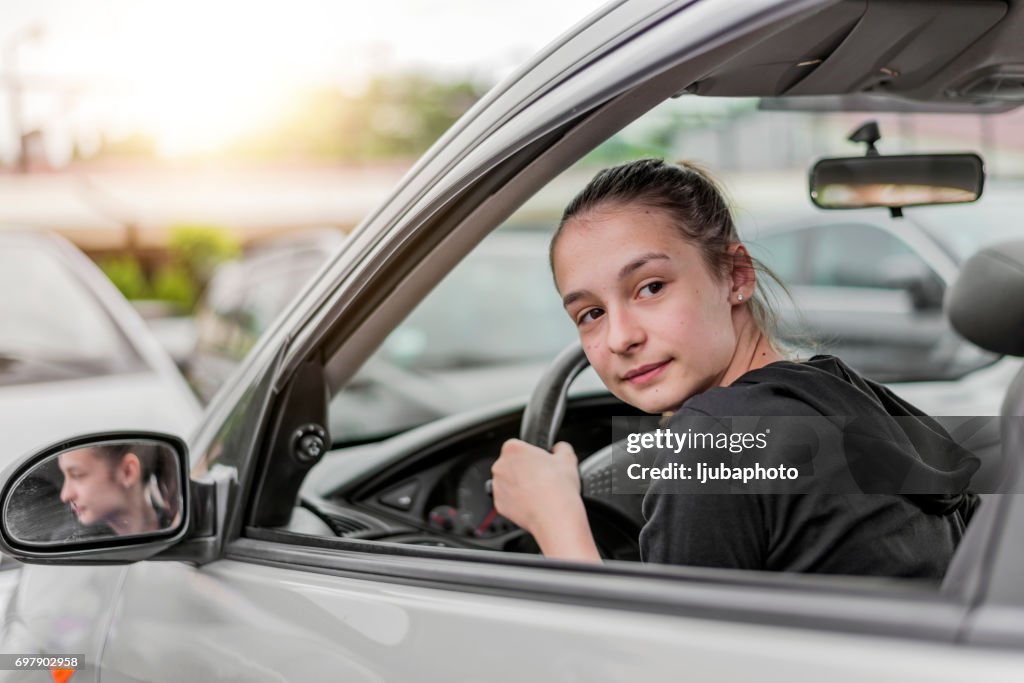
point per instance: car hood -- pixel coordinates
(36, 415)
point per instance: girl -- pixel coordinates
(664, 295)
(125, 487)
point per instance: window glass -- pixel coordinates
(858, 255)
(783, 253)
(484, 334)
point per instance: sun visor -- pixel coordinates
(782, 59)
(856, 45)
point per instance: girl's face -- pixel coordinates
(96, 489)
(656, 324)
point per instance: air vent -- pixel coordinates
(346, 526)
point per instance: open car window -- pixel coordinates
(482, 336)
(418, 427)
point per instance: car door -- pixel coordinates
(292, 601)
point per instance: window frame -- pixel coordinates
(498, 177)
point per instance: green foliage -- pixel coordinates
(126, 274)
(395, 116)
(616, 150)
(195, 252)
(173, 283)
(199, 249)
(662, 132)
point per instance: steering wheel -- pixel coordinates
(615, 519)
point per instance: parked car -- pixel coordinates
(244, 296)
(454, 352)
(74, 355)
(300, 554)
(870, 290)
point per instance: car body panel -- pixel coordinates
(65, 610)
(227, 621)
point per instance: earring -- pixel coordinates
(739, 297)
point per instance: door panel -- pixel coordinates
(235, 621)
(60, 610)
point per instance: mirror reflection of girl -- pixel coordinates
(664, 295)
(111, 485)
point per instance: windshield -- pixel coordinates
(53, 327)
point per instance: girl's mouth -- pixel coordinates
(645, 373)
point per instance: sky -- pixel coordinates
(190, 72)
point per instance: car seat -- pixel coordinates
(986, 306)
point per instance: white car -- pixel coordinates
(295, 555)
(74, 354)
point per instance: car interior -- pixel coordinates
(424, 489)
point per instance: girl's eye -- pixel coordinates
(589, 315)
(652, 288)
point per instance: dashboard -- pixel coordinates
(427, 486)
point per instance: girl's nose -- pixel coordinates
(624, 332)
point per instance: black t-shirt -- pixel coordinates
(854, 534)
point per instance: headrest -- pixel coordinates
(986, 303)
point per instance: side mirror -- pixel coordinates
(105, 497)
(896, 181)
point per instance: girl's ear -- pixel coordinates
(742, 277)
(129, 470)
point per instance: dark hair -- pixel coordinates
(148, 455)
(697, 208)
(157, 473)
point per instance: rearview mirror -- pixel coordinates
(896, 181)
(92, 491)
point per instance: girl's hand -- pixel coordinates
(540, 492)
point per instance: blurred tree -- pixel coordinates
(197, 250)
(395, 116)
(126, 274)
(174, 284)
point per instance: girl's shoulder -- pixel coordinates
(822, 385)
